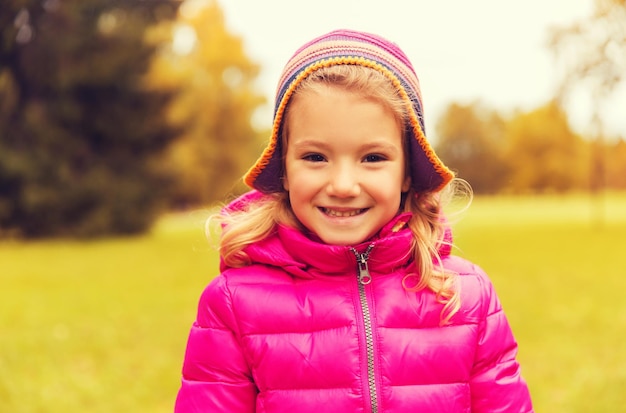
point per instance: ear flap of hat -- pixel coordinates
(266, 174)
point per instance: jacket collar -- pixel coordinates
(306, 257)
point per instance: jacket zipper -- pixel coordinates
(364, 277)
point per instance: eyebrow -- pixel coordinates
(380, 145)
(307, 143)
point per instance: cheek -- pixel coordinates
(298, 178)
(300, 187)
(388, 189)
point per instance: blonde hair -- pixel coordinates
(259, 219)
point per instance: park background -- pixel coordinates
(124, 124)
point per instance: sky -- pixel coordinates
(492, 51)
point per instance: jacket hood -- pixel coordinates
(305, 257)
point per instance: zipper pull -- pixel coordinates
(361, 261)
(364, 272)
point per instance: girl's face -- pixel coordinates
(344, 164)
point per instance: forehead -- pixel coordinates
(338, 116)
(335, 94)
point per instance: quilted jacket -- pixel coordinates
(316, 328)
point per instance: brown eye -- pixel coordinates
(374, 158)
(313, 157)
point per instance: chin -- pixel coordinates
(343, 241)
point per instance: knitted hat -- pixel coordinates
(346, 47)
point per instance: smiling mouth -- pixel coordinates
(343, 214)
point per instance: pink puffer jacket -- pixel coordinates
(302, 330)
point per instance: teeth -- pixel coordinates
(342, 214)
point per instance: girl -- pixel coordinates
(337, 290)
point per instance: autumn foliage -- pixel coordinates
(80, 134)
(103, 125)
(526, 152)
(112, 112)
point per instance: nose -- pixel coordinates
(343, 182)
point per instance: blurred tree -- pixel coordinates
(216, 103)
(616, 165)
(544, 154)
(593, 53)
(79, 131)
(471, 141)
(594, 50)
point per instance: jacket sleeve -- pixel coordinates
(496, 383)
(216, 376)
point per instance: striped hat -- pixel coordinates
(346, 47)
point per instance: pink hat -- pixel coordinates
(346, 47)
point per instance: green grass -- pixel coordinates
(560, 272)
(101, 326)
